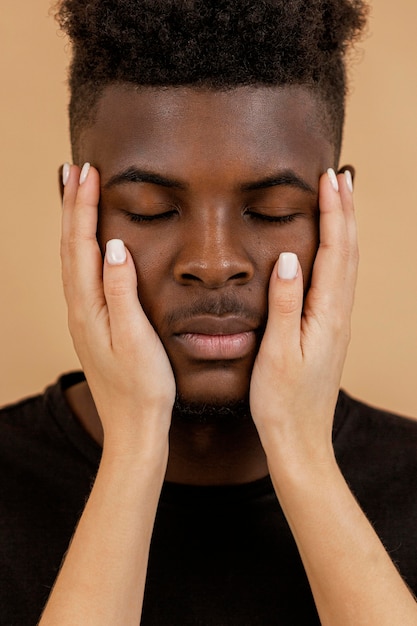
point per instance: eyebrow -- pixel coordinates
(285, 178)
(135, 175)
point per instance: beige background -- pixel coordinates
(381, 137)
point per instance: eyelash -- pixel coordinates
(137, 218)
(278, 219)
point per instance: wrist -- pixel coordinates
(136, 455)
(136, 431)
(298, 472)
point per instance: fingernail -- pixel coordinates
(115, 252)
(333, 178)
(349, 181)
(287, 265)
(84, 173)
(66, 169)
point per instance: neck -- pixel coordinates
(215, 454)
(218, 453)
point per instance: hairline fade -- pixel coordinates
(210, 44)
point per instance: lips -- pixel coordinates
(217, 338)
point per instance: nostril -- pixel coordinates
(215, 281)
(240, 276)
(213, 268)
(190, 277)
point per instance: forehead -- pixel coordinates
(187, 128)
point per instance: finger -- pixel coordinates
(346, 194)
(333, 265)
(81, 257)
(71, 175)
(282, 333)
(126, 317)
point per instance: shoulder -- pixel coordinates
(360, 424)
(381, 437)
(43, 427)
(377, 452)
(31, 412)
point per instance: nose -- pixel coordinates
(213, 254)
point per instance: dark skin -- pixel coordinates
(206, 189)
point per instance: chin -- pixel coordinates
(217, 384)
(218, 393)
(223, 414)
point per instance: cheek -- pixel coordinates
(154, 273)
(307, 254)
(148, 251)
(154, 257)
(151, 257)
(302, 239)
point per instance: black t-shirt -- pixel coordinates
(220, 556)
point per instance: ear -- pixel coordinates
(347, 167)
(60, 183)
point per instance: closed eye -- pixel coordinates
(267, 217)
(142, 218)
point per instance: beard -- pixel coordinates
(227, 414)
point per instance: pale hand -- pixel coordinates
(297, 372)
(125, 364)
(294, 390)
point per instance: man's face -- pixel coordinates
(206, 189)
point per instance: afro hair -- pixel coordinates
(217, 44)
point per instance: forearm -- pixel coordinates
(131, 380)
(294, 389)
(352, 578)
(103, 576)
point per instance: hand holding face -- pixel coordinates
(125, 364)
(297, 372)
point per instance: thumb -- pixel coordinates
(120, 290)
(285, 304)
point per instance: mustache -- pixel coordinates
(219, 306)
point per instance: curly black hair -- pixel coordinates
(217, 44)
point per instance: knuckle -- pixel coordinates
(65, 250)
(286, 303)
(70, 246)
(76, 317)
(340, 326)
(116, 288)
(345, 251)
(355, 254)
